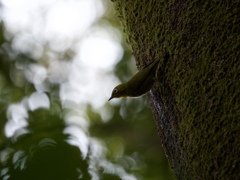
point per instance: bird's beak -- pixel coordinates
(110, 98)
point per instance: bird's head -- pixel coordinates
(119, 91)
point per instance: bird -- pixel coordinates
(138, 85)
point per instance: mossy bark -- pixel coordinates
(196, 99)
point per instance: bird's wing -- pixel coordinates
(143, 78)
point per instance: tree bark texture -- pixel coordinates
(196, 98)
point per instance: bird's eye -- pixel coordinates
(115, 90)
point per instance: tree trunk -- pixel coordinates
(196, 99)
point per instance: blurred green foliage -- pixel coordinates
(41, 150)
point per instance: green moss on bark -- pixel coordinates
(196, 100)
